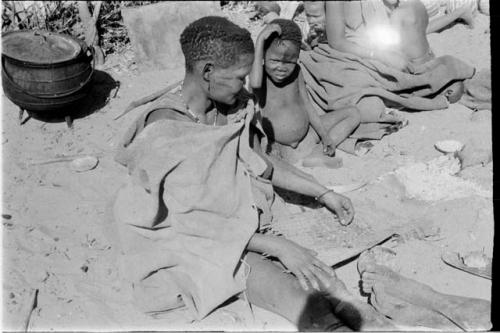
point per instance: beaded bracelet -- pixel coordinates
(323, 194)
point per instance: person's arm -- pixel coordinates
(257, 73)
(335, 33)
(288, 177)
(300, 261)
(443, 21)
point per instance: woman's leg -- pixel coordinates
(341, 123)
(270, 288)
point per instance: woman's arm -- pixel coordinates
(288, 177)
(257, 73)
(300, 261)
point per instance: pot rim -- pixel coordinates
(83, 53)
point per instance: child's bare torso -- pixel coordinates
(284, 113)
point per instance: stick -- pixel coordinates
(33, 306)
(62, 159)
(148, 99)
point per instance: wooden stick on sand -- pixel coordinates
(32, 306)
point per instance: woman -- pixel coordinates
(201, 190)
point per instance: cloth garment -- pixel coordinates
(193, 200)
(477, 95)
(335, 80)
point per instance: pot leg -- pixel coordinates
(69, 121)
(21, 112)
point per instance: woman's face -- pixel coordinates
(226, 83)
(280, 60)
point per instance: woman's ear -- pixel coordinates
(208, 69)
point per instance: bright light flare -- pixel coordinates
(383, 37)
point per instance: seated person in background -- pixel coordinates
(279, 87)
(401, 43)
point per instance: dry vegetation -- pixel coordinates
(63, 17)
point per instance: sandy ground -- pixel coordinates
(58, 234)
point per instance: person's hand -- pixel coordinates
(340, 205)
(303, 264)
(268, 31)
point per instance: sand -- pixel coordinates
(58, 236)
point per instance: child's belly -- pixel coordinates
(286, 124)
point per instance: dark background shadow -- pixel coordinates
(101, 86)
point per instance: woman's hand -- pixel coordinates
(303, 264)
(268, 31)
(340, 205)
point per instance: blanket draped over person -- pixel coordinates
(189, 207)
(336, 79)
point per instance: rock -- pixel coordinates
(474, 154)
(84, 163)
(155, 29)
(322, 162)
(476, 259)
(449, 146)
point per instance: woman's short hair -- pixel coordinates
(215, 38)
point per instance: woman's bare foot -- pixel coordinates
(465, 313)
(358, 315)
(373, 274)
(406, 313)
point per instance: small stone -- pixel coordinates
(84, 163)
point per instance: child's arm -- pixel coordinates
(257, 73)
(315, 120)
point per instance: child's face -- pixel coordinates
(280, 60)
(226, 83)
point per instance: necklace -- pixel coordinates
(195, 116)
(197, 119)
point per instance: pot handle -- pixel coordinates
(72, 91)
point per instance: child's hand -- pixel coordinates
(303, 264)
(340, 205)
(268, 31)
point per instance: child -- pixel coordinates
(279, 86)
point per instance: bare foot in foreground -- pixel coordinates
(466, 313)
(358, 315)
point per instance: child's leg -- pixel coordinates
(372, 110)
(341, 123)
